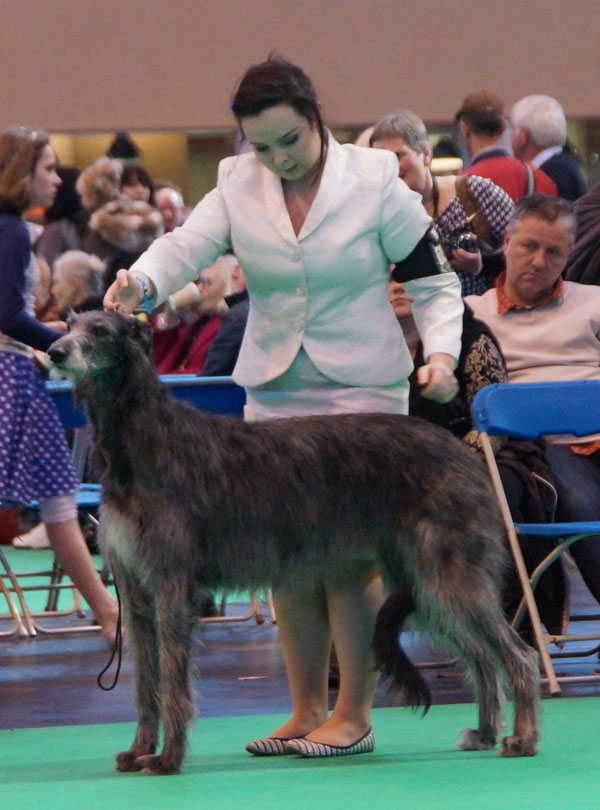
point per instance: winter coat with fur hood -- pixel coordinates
(120, 231)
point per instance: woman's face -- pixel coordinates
(285, 142)
(136, 191)
(413, 166)
(44, 179)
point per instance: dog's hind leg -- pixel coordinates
(521, 665)
(493, 653)
(175, 620)
(511, 660)
(140, 615)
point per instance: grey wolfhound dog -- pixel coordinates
(194, 502)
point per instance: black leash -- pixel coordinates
(117, 650)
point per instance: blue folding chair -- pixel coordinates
(529, 411)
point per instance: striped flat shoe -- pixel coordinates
(270, 746)
(308, 748)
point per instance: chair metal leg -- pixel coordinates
(540, 639)
(17, 623)
(28, 622)
(16, 588)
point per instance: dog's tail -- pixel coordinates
(390, 658)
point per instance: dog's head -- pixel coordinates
(101, 344)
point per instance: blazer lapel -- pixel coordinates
(331, 181)
(275, 205)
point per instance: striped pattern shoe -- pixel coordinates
(269, 746)
(308, 748)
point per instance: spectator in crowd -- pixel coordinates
(583, 264)
(223, 353)
(44, 305)
(120, 229)
(65, 220)
(549, 330)
(539, 134)
(77, 282)
(169, 201)
(137, 184)
(182, 346)
(459, 206)
(482, 126)
(35, 461)
(99, 183)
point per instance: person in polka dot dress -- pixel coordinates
(35, 462)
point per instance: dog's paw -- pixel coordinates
(154, 765)
(471, 740)
(127, 761)
(519, 746)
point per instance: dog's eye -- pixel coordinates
(98, 330)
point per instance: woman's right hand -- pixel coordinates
(124, 294)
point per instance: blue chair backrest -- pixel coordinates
(214, 394)
(530, 410)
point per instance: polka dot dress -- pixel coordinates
(35, 461)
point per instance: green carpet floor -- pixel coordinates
(414, 766)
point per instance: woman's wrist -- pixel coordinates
(443, 359)
(147, 290)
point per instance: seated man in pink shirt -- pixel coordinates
(548, 330)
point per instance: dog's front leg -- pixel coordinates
(140, 612)
(176, 621)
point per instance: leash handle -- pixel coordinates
(117, 650)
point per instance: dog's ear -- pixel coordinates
(141, 332)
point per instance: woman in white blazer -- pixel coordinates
(315, 226)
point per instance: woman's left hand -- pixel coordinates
(437, 378)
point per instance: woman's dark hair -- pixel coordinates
(133, 174)
(273, 82)
(67, 203)
(20, 150)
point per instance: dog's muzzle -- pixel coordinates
(57, 355)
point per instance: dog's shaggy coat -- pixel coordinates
(195, 502)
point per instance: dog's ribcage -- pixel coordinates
(307, 492)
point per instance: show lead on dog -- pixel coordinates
(315, 226)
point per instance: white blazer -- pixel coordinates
(327, 288)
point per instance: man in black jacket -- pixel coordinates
(223, 353)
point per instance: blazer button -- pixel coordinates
(297, 329)
(295, 257)
(300, 291)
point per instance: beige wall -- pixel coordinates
(102, 65)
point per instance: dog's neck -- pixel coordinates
(115, 404)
